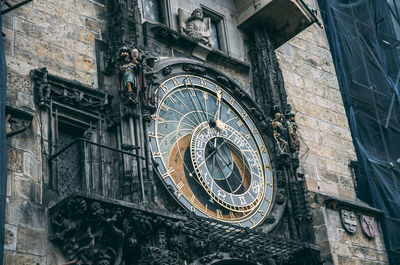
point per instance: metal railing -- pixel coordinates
(96, 169)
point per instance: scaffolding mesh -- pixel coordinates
(364, 40)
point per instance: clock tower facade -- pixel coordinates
(199, 132)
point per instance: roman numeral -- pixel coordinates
(255, 131)
(242, 200)
(219, 213)
(168, 173)
(159, 135)
(164, 88)
(172, 99)
(175, 81)
(164, 107)
(202, 82)
(239, 123)
(178, 192)
(180, 185)
(192, 92)
(205, 95)
(231, 215)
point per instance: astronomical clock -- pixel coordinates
(210, 152)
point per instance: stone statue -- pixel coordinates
(294, 142)
(280, 133)
(196, 26)
(128, 69)
(149, 82)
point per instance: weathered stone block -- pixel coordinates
(345, 260)
(85, 36)
(18, 82)
(363, 253)
(346, 193)
(94, 25)
(26, 213)
(85, 64)
(29, 260)
(30, 241)
(15, 160)
(318, 217)
(31, 166)
(328, 188)
(339, 248)
(10, 237)
(27, 28)
(26, 189)
(321, 234)
(10, 184)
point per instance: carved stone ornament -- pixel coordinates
(349, 221)
(71, 93)
(91, 231)
(196, 26)
(368, 226)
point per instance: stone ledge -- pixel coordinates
(171, 37)
(162, 236)
(22, 112)
(335, 203)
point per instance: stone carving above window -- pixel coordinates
(196, 26)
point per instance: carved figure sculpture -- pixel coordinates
(148, 83)
(128, 69)
(197, 26)
(292, 131)
(280, 133)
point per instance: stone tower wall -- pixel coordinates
(326, 144)
(58, 35)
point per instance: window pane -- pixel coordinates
(215, 34)
(151, 9)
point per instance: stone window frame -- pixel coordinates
(219, 19)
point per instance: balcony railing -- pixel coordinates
(96, 169)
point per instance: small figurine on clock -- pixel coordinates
(128, 69)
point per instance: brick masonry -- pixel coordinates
(60, 35)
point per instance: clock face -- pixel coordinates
(209, 150)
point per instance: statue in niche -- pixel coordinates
(128, 70)
(196, 26)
